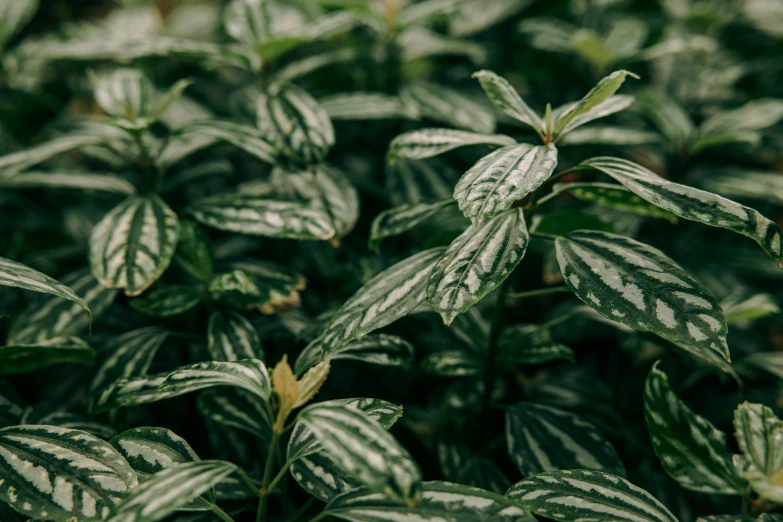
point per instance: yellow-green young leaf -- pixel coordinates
(440, 502)
(597, 95)
(295, 124)
(499, 179)
(66, 179)
(365, 451)
(204, 133)
(587, 495)
(693, 204)
(382, 300)
(380, 349)
(310, 383)
(506, 98)
(133, 244)
(167, 301)
(397, 220)
(248, 374)
(21, 276)
(476, 263)
(22, 358)
(759, 433)
(170, 489)
(194, 253)
(689, 447)
(231, 337)
(15, 14)
(49, 316)
(366, 106)
(426, 143)
(259, 216)
(59, 474)
(541, 438)
(637, 285)
(237, 409)
(449, 106)
(613, 196)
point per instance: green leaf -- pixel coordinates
(440, 501)
(450, 106)
(248, 374)
(614, 135)
(759, 432)
(150, 450)
(390, 295)
(690, 448)
(132, 392)
(22, 358)
(336, 196)
(472, 17)
(237, 409)
(499, 179)
(417, 43)
(50, 316)
(14, 15)
(193, 253)
(19, 161)
(366, 106)
(248, 291)
(597, 96)
(476, 263)
(295, 124)
(21, 276)
(259, 216)
(250, 139)
(133, 244)
(452, 363)
(563, 222)
(170, 489)
(669, 116)
(505, 98)
(67, 179)
(11, 406)
(247, 21)
(609, 106)
(594, 495)
(637, 285)
(743, 183)
(613, 196)
(693, 204)
(739, 125)
(59, 474)
(166, 301)
(426, 143)
(364, 450)
(395, 221)
(125, 94)
(380, 349)
(541, 438)
(231, 337)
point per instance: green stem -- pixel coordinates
(222, 515)
(541, 235)
(279, 476)
(542, 291)
(249, 483)
(270, 461)
(319, 516)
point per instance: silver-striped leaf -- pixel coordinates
(426, 143)
(149, 450)
(450, 106)
(170, 489)
(390, 295)
(237, 409)
(395, 221)
(295, 124)
(59, 474)
(132, 391)
(613, 196)
(506, 98)
(587, 495)
(167, 301)
(65, 179)
(738, 125)
(248, 21)
(471, 17)
(610, 135)
(23, 358)
(22, 276)
(693, 204)
(204, 133)
(380, 349)
(231, 337)
(24, 159)
(133, 244)
(499, 179)
(598, 95)
(14, 15)
(440, 502)
(365, 450)
(452, 363)
(476, 263)
(366, 106)
(637, 285)
(691, 450)
(542, 438)
(248, 374)
(609, 106)
(47, 316)
(759, 432)
(336, 197)
(194, 253)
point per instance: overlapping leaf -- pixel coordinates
(248, 374)
(22, 358)
(400, 219)
(759, 432)
(506, 98)
(426, 143)
(166, 301)
(380, 349)
(231, 337)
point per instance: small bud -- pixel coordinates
(284, 383)
(311, 382)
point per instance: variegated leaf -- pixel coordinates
(426, 143)
(499, 179)
(258, 284)
(613, 196)
(382, 300)
(366, 106)
(738, 182)
(336, 196)
(440, 502)
(59, 474)
(170, 489)
(637, 285)
(248, 21)
(598, 95)
(417, 43)
(237, 409)
(541, 438)
(476, 263)
(22, 276)
(472, 17)
(506, 98)
(593, 495)
(149, 450)
(47, 317)
(609, 106)
(693, 204)
(166, 301)
(738, 125)
(248, 374)
(22, 358)
(295, 124)
(450, 106)
(125, 94)
(204, 133)
(194, 254)
(397, 220)
(689, 447)
(231, 337)
(133, 244)
(380, 349)
(63, 179)
(452, 363)
(364, 450)
(263, 217)
(759, 432)
(19, 161)
(14, 15)
(132, 392)
(614, 135)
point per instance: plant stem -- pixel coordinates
(222, 515)
(542, 291)
(277, 432)
(541, 235)
(279, 476)
(249, 483)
